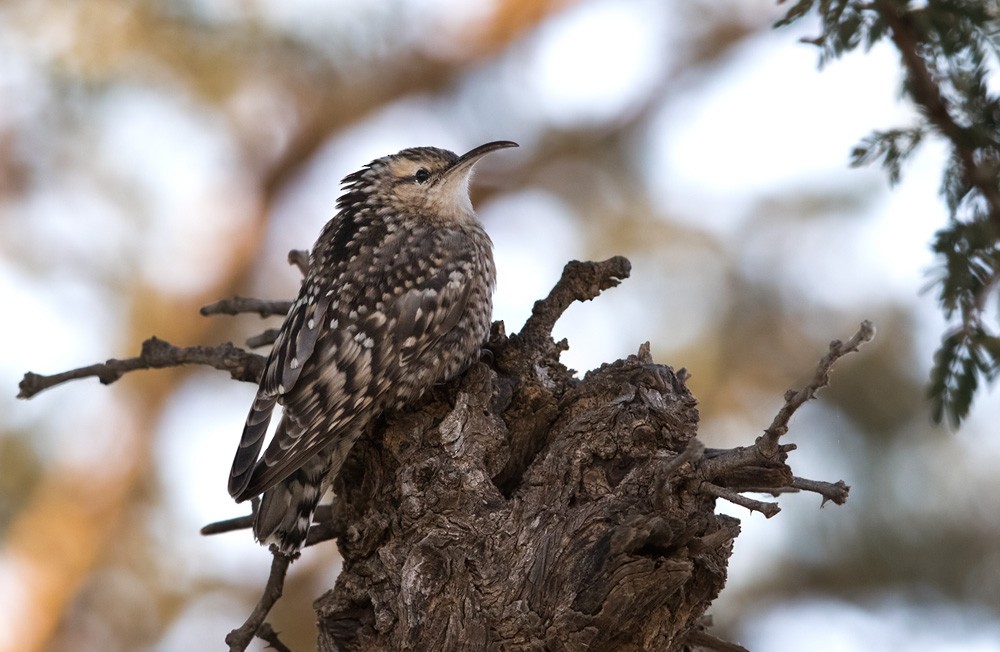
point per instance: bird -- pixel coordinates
(398, 296)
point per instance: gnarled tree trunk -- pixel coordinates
(520, 508)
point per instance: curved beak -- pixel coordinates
(467, 160)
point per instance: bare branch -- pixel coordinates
(768, 442)
(299, 258)
(322, 529)
(719, 463)
(579, 282)
(765, 508)
(267, 634)
(833, 491)
(263, 339)
(264, 307)
(239, 639)
(704, 639)
(156, 354)
(761, 468)
(228, 525)
(240, 305)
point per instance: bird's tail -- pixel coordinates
(286, 509)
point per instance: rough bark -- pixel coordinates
(520, 508)
(598, 540)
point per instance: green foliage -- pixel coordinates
(950, 51)
(958, 364)
(888, 148)
(846, 25)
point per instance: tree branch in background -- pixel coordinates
(768, 442)
(239, 639)
(300, 259)
(266, 338)
(156, 354)
(240, 305)
(267, 634)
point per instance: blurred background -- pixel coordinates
(156, 156)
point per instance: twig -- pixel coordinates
(579, 282)
(833, 491)
(263, 339)
(264, 307)
(321, 531)
(267, 634)
(239, 639)
(241, 305)
(704, 639)
(765, 508)
(228, 525)
(768, 442)
(761, 468)
(156, 354)
(724, 462)
(300, 259)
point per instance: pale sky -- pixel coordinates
(768, 124)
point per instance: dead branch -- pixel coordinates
(155, 354)
(706, 640)
(267, 634)
(239, 639)
(241, 305)
(300, 259)
(762, 468)
(768, 442)
(580, 281)
(266, 338)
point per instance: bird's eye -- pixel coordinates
(421, 175)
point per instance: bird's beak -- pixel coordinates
(467, 160)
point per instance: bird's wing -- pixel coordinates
(292, 349)
(424, 315)
(360, 361)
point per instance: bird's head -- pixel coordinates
(420, 180)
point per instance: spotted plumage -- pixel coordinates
(398, 297)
